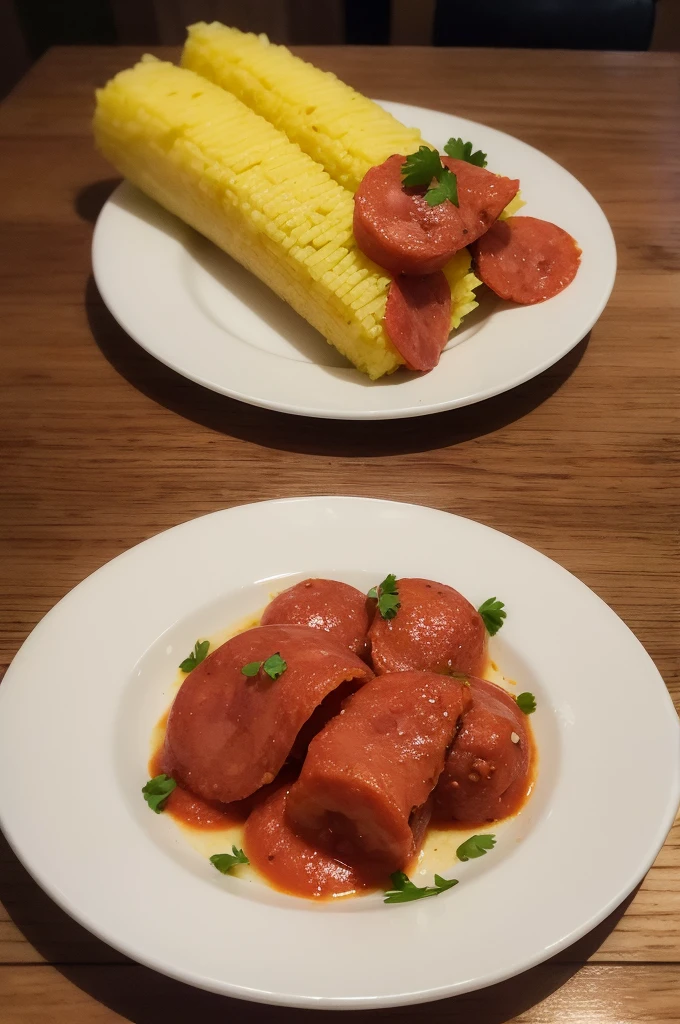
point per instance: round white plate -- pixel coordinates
(198, 311)
(78, 704)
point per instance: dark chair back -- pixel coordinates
(548, 24)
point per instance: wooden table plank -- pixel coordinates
(578, 463)
(568, 994)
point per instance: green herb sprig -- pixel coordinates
(494, 614)
(225, 862)
(201, 648)
(526, 702)
(157, 790)
(387, 596)
(424, 167)
(405, 891)
(475, 846)
(274, 666)
(460, 150)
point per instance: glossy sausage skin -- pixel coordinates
(526, 260)
(418, 319)
(229, 734)
(337, 608)
(486, 774)
(375, 765)
(435, 629)
(482, 196)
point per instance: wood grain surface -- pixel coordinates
(101, 447)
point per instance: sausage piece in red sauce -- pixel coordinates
(526, 260)
(397, 228)
(418, 318)
(337, 608)
(228, 734)
(486, 775)
(293, 864)
(435, 629)
(375, 765)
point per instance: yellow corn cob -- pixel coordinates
(209, 159)
(462, 283)
(513, 206)
(341, 129)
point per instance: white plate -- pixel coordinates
(78, 704)
(199, 312)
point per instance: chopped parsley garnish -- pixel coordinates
(201, 648)
(404, 890)
(421, 167)
(460, 150)
(493, 612)
(424, 167)
(252, 668)
(475, 846)
(387, 596)
(157, 791)
(224, 862)
(526, 702)
(274, 666)
(447, 188)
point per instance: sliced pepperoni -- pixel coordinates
(486, 775)
(418, 318)
(368, 774)
(400, 231)
(482, 196)
(435, 629)
(293, 864)
(228, 734)
(526, 260)
(397, 229)
(335, 607)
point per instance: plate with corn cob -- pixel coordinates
(252, 245)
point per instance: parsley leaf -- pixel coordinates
(475, 846)
(274, 666)
(492, 611)
(387, 596)
(405, 891)
(224, 862)
(157, 791)
(526, 702)
(421, 167)
(463, 151)
(252, 668)
(201, 648)
(446, 189)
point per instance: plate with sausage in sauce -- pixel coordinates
(543, 267)
(336, 752)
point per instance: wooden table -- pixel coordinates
(102, 447)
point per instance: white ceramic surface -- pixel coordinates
(79, 701)
(198, 311)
